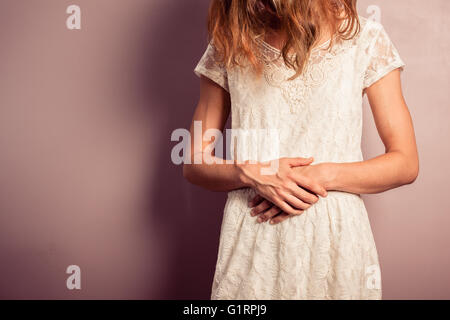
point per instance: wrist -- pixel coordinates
(330, 174)
(244, 174)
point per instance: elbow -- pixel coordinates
(411, 172)
(412, 175)
(188, 173)
(189, 168)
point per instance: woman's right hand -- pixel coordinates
(288, 190)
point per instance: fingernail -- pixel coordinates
(272, 222)
(260, 220)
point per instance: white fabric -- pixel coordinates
(329, 251)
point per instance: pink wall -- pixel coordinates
(85, 170)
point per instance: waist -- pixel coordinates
(246, 194)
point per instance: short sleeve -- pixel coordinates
(382, 57)
(209, 67)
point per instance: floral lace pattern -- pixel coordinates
(329, 251)
(297, 92)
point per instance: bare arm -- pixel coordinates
(399, 165)
(212, 110)
(281, 188)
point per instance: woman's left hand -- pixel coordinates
(267, 211)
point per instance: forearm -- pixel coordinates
(219, 176)
(385, 172)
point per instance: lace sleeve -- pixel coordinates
(210, 68)
(382, 56)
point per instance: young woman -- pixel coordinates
(294, 225)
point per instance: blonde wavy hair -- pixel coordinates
(234, 27)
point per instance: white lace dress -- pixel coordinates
(329, 251)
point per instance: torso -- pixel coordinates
(325, 252)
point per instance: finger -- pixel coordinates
(280, 218)
(296, 202)
(297, 162)
(312, 186)
(260, 208)
(284, 206)
(255, 201)
(272, 212)
(304, 195)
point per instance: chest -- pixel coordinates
(329, 87)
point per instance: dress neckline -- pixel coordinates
(278, 51)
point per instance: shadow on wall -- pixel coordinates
(190, 215)
(86, 172)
